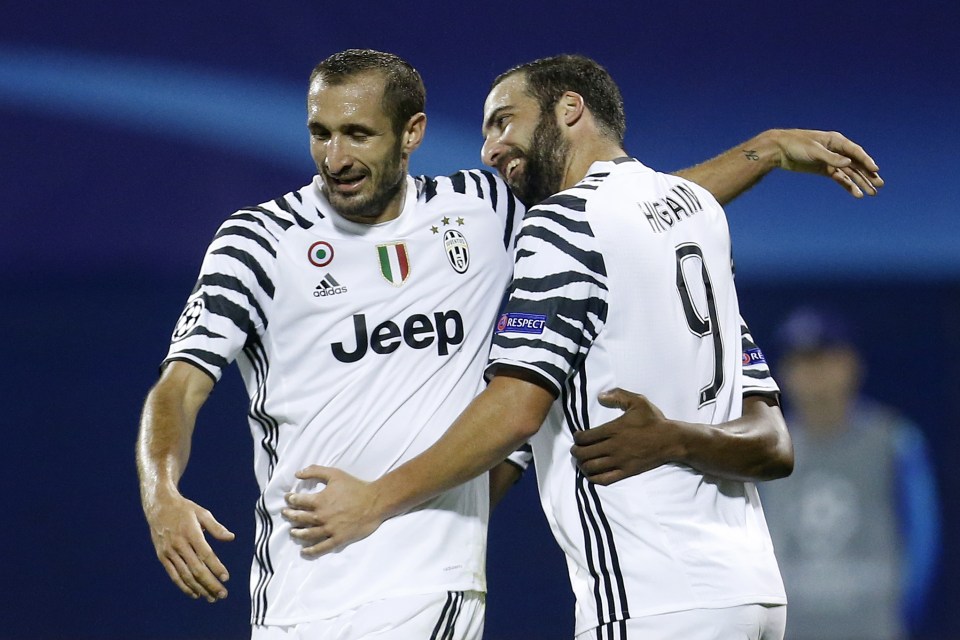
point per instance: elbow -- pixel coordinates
(781, 465)
(526, 430)
(779, 461)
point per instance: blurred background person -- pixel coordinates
(856, 528)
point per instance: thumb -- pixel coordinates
(213, 527)
(617, 398)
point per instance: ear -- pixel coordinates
(570, 108)
(412, 134)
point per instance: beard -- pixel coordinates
(543, 174)
(371, 202)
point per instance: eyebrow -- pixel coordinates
(493, 116)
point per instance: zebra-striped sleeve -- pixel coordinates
(757, 379)
(230, 302)
(558, 299)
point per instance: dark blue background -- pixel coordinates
(130, 130)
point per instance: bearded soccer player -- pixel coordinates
(364, 279)
(623, 277)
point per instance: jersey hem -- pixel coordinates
(765, 600)
(182, 358)
(766, 393)
(550, 383)
(269, 621)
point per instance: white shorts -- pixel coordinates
(454, 615)
(746, 622)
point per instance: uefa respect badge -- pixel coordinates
(521, 323)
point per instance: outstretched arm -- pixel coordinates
(753, 447)
(826, 153)
(501, 418)
(163, 448)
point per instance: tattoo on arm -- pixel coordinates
(751, 154)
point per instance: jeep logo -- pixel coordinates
(419, 332)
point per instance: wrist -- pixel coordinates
(765, 149)
(679, 450)
(157, 491)
(385, 501)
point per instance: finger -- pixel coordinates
(598, 466)
(592, 436)
(582, 454)
(213, 527)
(200, 566)
(212, 562)
(301, 501)
(174, 574)
(185, 571)
(327, 546)
(860, 180)
(300, 517)
(864, 179)
(199, 558)
(607, 478)
(841, 177)
(316, 472)
(846, 147)
(309, 535)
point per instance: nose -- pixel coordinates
(491, 150)
(338, 156)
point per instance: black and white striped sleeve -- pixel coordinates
(230, 302)
(558, 299)
(757, 379)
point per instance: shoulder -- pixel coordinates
(296, 209)
(470, 183)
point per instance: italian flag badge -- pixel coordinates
(394, 262)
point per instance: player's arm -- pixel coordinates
(502, 478)
(826, 153)
(163, 448)
(501, 418)
(756, 446)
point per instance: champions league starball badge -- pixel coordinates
(188, 319)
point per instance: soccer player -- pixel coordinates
(623, 277)
(359, 309)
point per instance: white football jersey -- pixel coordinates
(359, 345)
(625, 280)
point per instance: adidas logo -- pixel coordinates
(328, 287)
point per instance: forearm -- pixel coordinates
(502, 478)
(498, 421)
(163, 445)
(166, 429)
(736, 170)
(754, 447)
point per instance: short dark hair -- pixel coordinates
(403, 93)
(548, 78)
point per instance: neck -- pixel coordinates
(390, 210)
(583, 154)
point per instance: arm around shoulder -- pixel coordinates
(827, 153)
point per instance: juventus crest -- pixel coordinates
(458, 253)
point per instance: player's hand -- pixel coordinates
(639, 440)
(176, 527)
(830, 154)
(328, 520)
